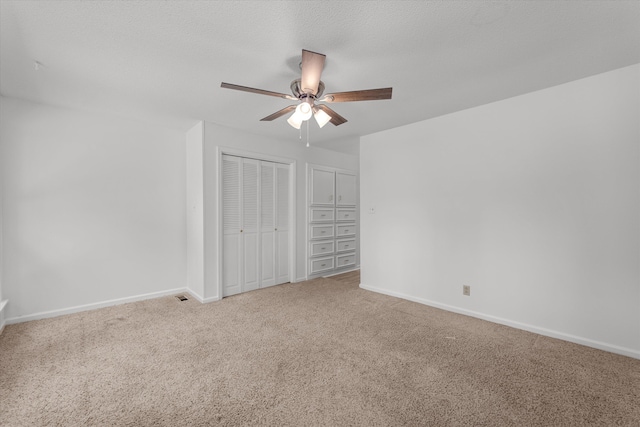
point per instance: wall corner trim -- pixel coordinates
(517, 325)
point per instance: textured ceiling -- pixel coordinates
(163, 62)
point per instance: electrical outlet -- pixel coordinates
(466, 290)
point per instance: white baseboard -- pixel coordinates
(344, 271)
(93, 306)
(3, 304)
(315, 276)
(201, 299)
(530, 328)
(195, 295)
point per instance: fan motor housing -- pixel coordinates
(300, 94)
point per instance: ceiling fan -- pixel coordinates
(308, 90)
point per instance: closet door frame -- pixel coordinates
(221, 151)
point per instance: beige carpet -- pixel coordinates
(322, 352)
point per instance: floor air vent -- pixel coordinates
(182, 298)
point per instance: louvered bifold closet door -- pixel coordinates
(250, 210)
(255, 199)
(267, 223)
(231, 224)
(282, 224)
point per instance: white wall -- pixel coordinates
(533, 201)
(195, 209)
(2, 301)
(93, 208)
(216, 136)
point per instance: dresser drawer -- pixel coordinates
(346, 245)
(346, 260)
(321, 215)
(345, 214)
(323, 247)
(321, 231)
(322, 264)
(346, 230)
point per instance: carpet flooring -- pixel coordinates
(316, 353)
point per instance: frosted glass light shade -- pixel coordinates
(295, 120)
(321, 117)
(304, 110)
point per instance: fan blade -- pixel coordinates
(258, 91)
(312, 65)
(280, 113)
(336, 119)
(359, 95)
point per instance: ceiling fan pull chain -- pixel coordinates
(308, 132)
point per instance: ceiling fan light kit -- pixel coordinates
(295, 120)
(308, 90)
(304, 111)
(321, 117)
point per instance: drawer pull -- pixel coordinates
(322, 249)
(346, 215)
(322, 232)
(346, 231)
(323, 265)
(346, 246)
(323, 215)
